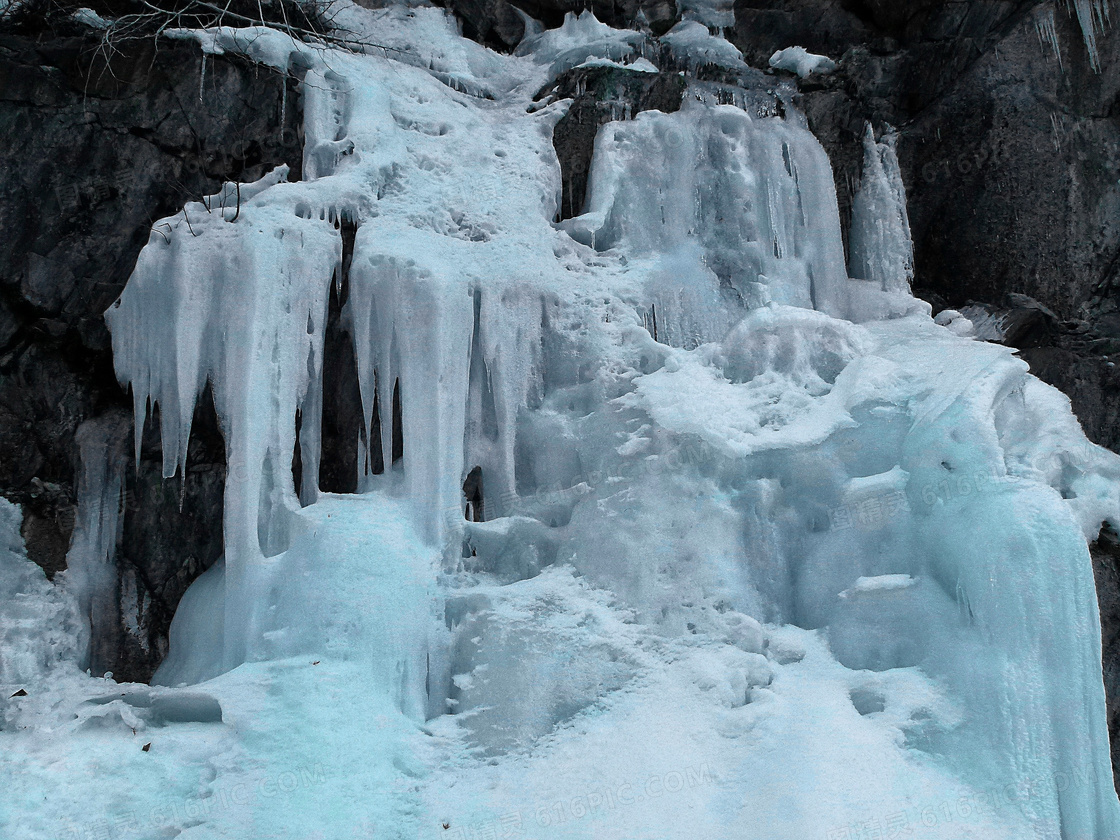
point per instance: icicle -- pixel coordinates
(1047, 30)
(1093, 18)
(509, 324)
(243, 306)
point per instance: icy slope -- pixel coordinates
(763, 552)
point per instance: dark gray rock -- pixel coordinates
(1106, 570)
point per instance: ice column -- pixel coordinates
(880, 246)
(508, 335)
(413, 326)
(1026, 649)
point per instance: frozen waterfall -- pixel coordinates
(656, 504)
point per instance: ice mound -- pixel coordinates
(580, 38)
(539, 653)
(802, 62)
(693, 46)
(804, 347)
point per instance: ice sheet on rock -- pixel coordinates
(715, 13)
(693, 46)
(754, 200)
(879, 242)
(91, 571)
(802, 62)
(262, 44)
(426, 37)
(642, 65)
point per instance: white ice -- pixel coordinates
(802, 62)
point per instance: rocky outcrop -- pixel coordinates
(93, 151)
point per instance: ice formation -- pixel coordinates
(665, 526)
(802, 62)
(39, 623)
(880, 248)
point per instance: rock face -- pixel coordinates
(92, 153)
(1106, 571)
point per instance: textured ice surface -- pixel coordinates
(39, 624)
(694, 46)
(745, 567)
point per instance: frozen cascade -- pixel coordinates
(879, 241)
(797, 546)
(40, 624)
(236, 295)
(748, 205)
